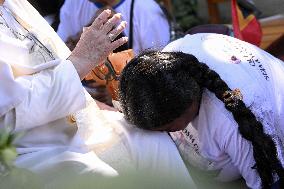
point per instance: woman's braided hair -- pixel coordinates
(157, 87)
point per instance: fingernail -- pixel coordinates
(118, 15)
(108, 11)
(124, 23)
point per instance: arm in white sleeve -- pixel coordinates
(65, 29)
(154, 30)
(159, 34)
(52, 94)
(241, 153)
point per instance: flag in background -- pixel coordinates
(245, 24)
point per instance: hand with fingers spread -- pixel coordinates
(96, 42)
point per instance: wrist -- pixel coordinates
(82, 66)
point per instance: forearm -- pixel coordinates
(81, 65)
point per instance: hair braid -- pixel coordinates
(157, 87)
(264, 150)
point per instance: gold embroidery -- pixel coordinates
(71, 119)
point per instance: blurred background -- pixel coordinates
(190, 13)
(268, 8)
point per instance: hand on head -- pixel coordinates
(96, 42)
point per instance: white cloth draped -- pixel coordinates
(16, 53)
(11, 92)
(260, 77)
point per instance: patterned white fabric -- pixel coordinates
(150, 26)
(17, 53)
(260, 77)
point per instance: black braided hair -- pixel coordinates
(157, 87)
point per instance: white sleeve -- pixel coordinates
(221, 142)
(153, 27)
(240, 152)
(52, 94)
(65, 29)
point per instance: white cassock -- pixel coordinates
(40, 90)
(212, 140)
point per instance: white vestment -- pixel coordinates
(39, 91)
(212, 140)
(150, 26)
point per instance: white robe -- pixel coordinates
(212, 140)
(150, 26)
(38, 97)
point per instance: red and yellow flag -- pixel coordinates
(245, 25)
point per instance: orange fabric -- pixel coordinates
(101, 73)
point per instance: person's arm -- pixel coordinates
(240, 152)
(96, 42)
(57, 92)
(52, 94)
(153, 28)
(67, 26)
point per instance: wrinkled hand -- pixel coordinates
(96, 42)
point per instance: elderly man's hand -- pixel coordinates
(96, 42)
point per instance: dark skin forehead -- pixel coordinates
(183, 120)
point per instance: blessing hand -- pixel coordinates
(97, 41)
